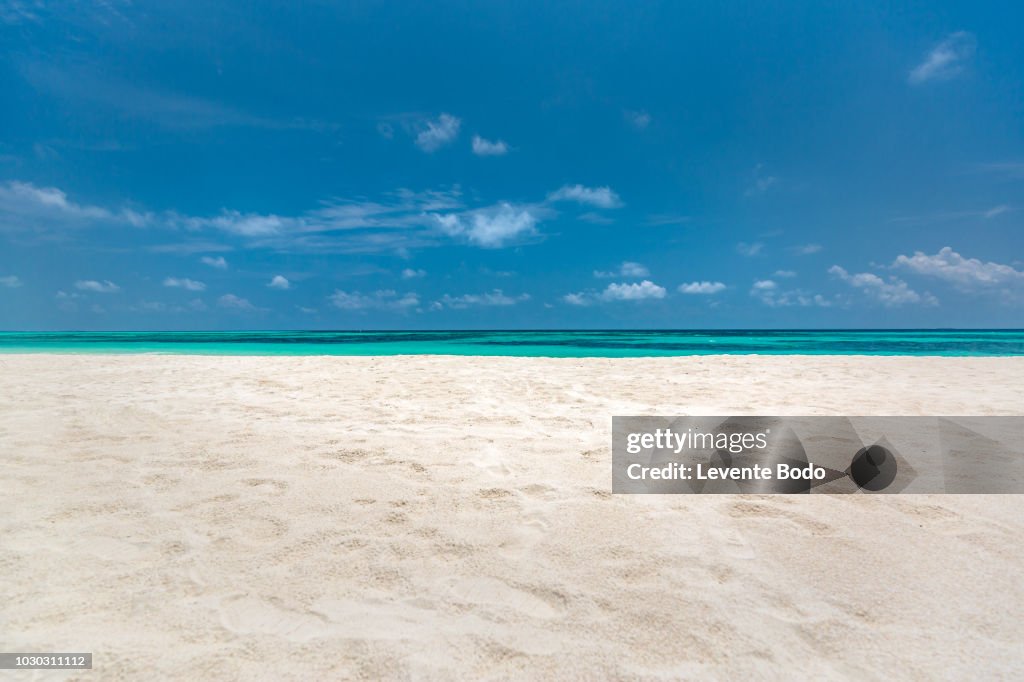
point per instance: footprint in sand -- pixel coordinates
(253, 616)
(730, 542)
(267, 485)
(491, 460)
(493, 592)
(799, 517)
(494, 493)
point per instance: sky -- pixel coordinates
(456, 165)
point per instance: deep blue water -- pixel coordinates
(529, 343)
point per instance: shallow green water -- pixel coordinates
(529, 343)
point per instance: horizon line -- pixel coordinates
(513, 330)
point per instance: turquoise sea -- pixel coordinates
(572, 344)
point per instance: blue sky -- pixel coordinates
(483, 165)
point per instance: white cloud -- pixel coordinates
(67, 302)
(627, 269)
(279, 282)
(601, 197)
(967, 273)
(410, 273)
(633, 292)
(483, 147)
(638, 119)
(621, 291)
(184, 283)
(764, 289)
(245, 224)
(631, 269)
(233, 302)
(10, 281)
(217, 262)
(769, 293)
(807, 249)
(490, 227)
(383, 299)
(891, 293)
(703, 287)
(401, 209)
(404, 221)
(997, 210)
(104, 287)
(946, 60)
(438, 133)
(25, 206)
(745, 249)
(380, 226)
(784, 274)
(494, 298)
(50, 197)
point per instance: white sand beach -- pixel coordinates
(194, 517)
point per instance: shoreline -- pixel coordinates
(117, 353)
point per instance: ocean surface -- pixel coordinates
(572, 344)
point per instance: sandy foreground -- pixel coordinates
(449, 518)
